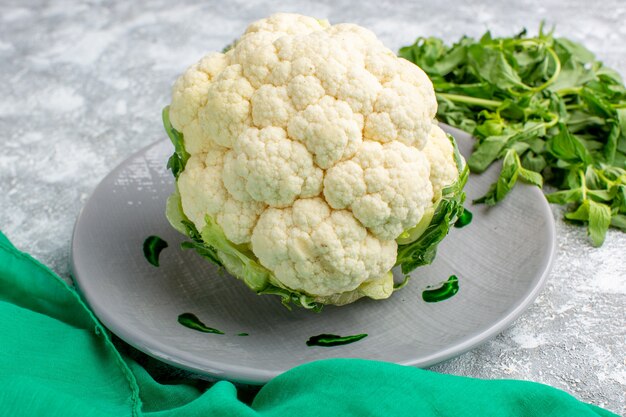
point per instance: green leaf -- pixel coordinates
(576, 50)
(580, 214)
(567, 147)
(621, 140)
(530, 177)
(229, 46)
(602, 195)
(493, 147)
(174, 212)
(175, 164)
(565, 196)
(206, 251)
(608, 74)
(619, 203)
(511, 170)
(455, 57)
(421, 248)
(506, 180)
(241, 262)
(592, 179)
(599, 221)
(597, 215)
(491, 127)
(236, 259)
(491, 65)
(579, 121)
(487, 152)
(619, 221)
(178, 160)
(534, 162)
(610, 147)
(596, 103)
(621, 117)
(568, 77)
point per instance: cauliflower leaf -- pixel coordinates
(423, 248)
(238, 260)
(180, 156)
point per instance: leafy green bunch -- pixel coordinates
(547, 108)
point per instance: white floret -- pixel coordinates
(265, 166)
(304, 90)
(287, 23)
(440, 154)
(189, 94)
(401, 113)
(330, 130)
(256, 54)
(271, 106)
(406, 105)
(226, 113)
(203, 193)
(320, 251)
(387, 187)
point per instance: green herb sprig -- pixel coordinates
(545, 106)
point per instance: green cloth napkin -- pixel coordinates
(56, 359)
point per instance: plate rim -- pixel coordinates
(209, 369)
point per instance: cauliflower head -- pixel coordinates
(308, 162)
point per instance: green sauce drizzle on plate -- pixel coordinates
(152, 247)
(447, 290)
(333, 339)
(191, 321)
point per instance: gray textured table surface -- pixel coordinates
(83, 85)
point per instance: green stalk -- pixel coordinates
(583, 184)
(555, 74)
(566, 91)
(470, 100)
(554, 121)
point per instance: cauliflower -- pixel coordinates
(308, 162)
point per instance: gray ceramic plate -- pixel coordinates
(502, 259)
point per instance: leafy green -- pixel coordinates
(568, 148)
(597, 214)
(545, 106)
(511, 170)
(421, 250)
